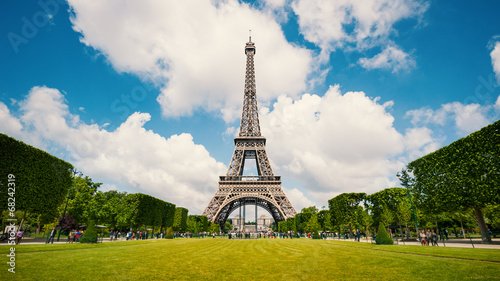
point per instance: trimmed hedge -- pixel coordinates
(180, 219)
(42, 181)
(169, 233)
(382, 236)
(90, 235)
(150, 211)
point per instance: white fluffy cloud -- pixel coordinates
(419, 142)
(467, 118)
(335, 143)
(360, 23)
(331, 144)
(10, 125)
(495, 59)
(194, 50)
(392, 58)
(130, 158)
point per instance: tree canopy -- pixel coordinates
(343, 208)
(40, 180)
(464, 174)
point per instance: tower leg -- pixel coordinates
(255, 215)
(239, 222)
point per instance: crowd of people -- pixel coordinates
(427, 236)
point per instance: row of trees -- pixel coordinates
(461, 176)
(36, 188)
(31, 180)
(353, 212)
(449, 187)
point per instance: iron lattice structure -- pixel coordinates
(236, 190)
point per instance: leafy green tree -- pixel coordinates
(80, 203)
(313, 225)
(126, 217)
(227, 225)
(388, 198)
(305, 215)
(214, 227)
(343, 209)
(193, 224)
(310, 210)
(204, 223)
(180, 219)
(299, 223)
(387, 216)
(404, 213)
(291, 225)
(365, 219)
(464, 174)
(282, 226)
(322, 219)
(461, 215)
(492, 214)
(112, 207)
(94, 210)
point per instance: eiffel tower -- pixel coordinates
(236, 190)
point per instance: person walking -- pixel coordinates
(52, 234)
(434, 238)
(19, 236)
(423, 237)
(428, 235)
(78, 235)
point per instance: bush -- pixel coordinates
(169, 233)
(90, 235)
(316, 235)
(382, 236)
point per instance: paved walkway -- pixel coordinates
(459, 243)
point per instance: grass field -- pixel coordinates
(264, 259)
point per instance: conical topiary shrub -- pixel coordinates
(169, 233)
(382, 236)
(90, 235)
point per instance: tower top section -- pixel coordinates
(250, 47)
(250, 127)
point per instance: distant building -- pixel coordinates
(237, 222)
(263, 224)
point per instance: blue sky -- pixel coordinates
(146, 96)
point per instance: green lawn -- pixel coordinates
(264, 259)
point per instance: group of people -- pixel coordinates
(73, 236)
(426, 236)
